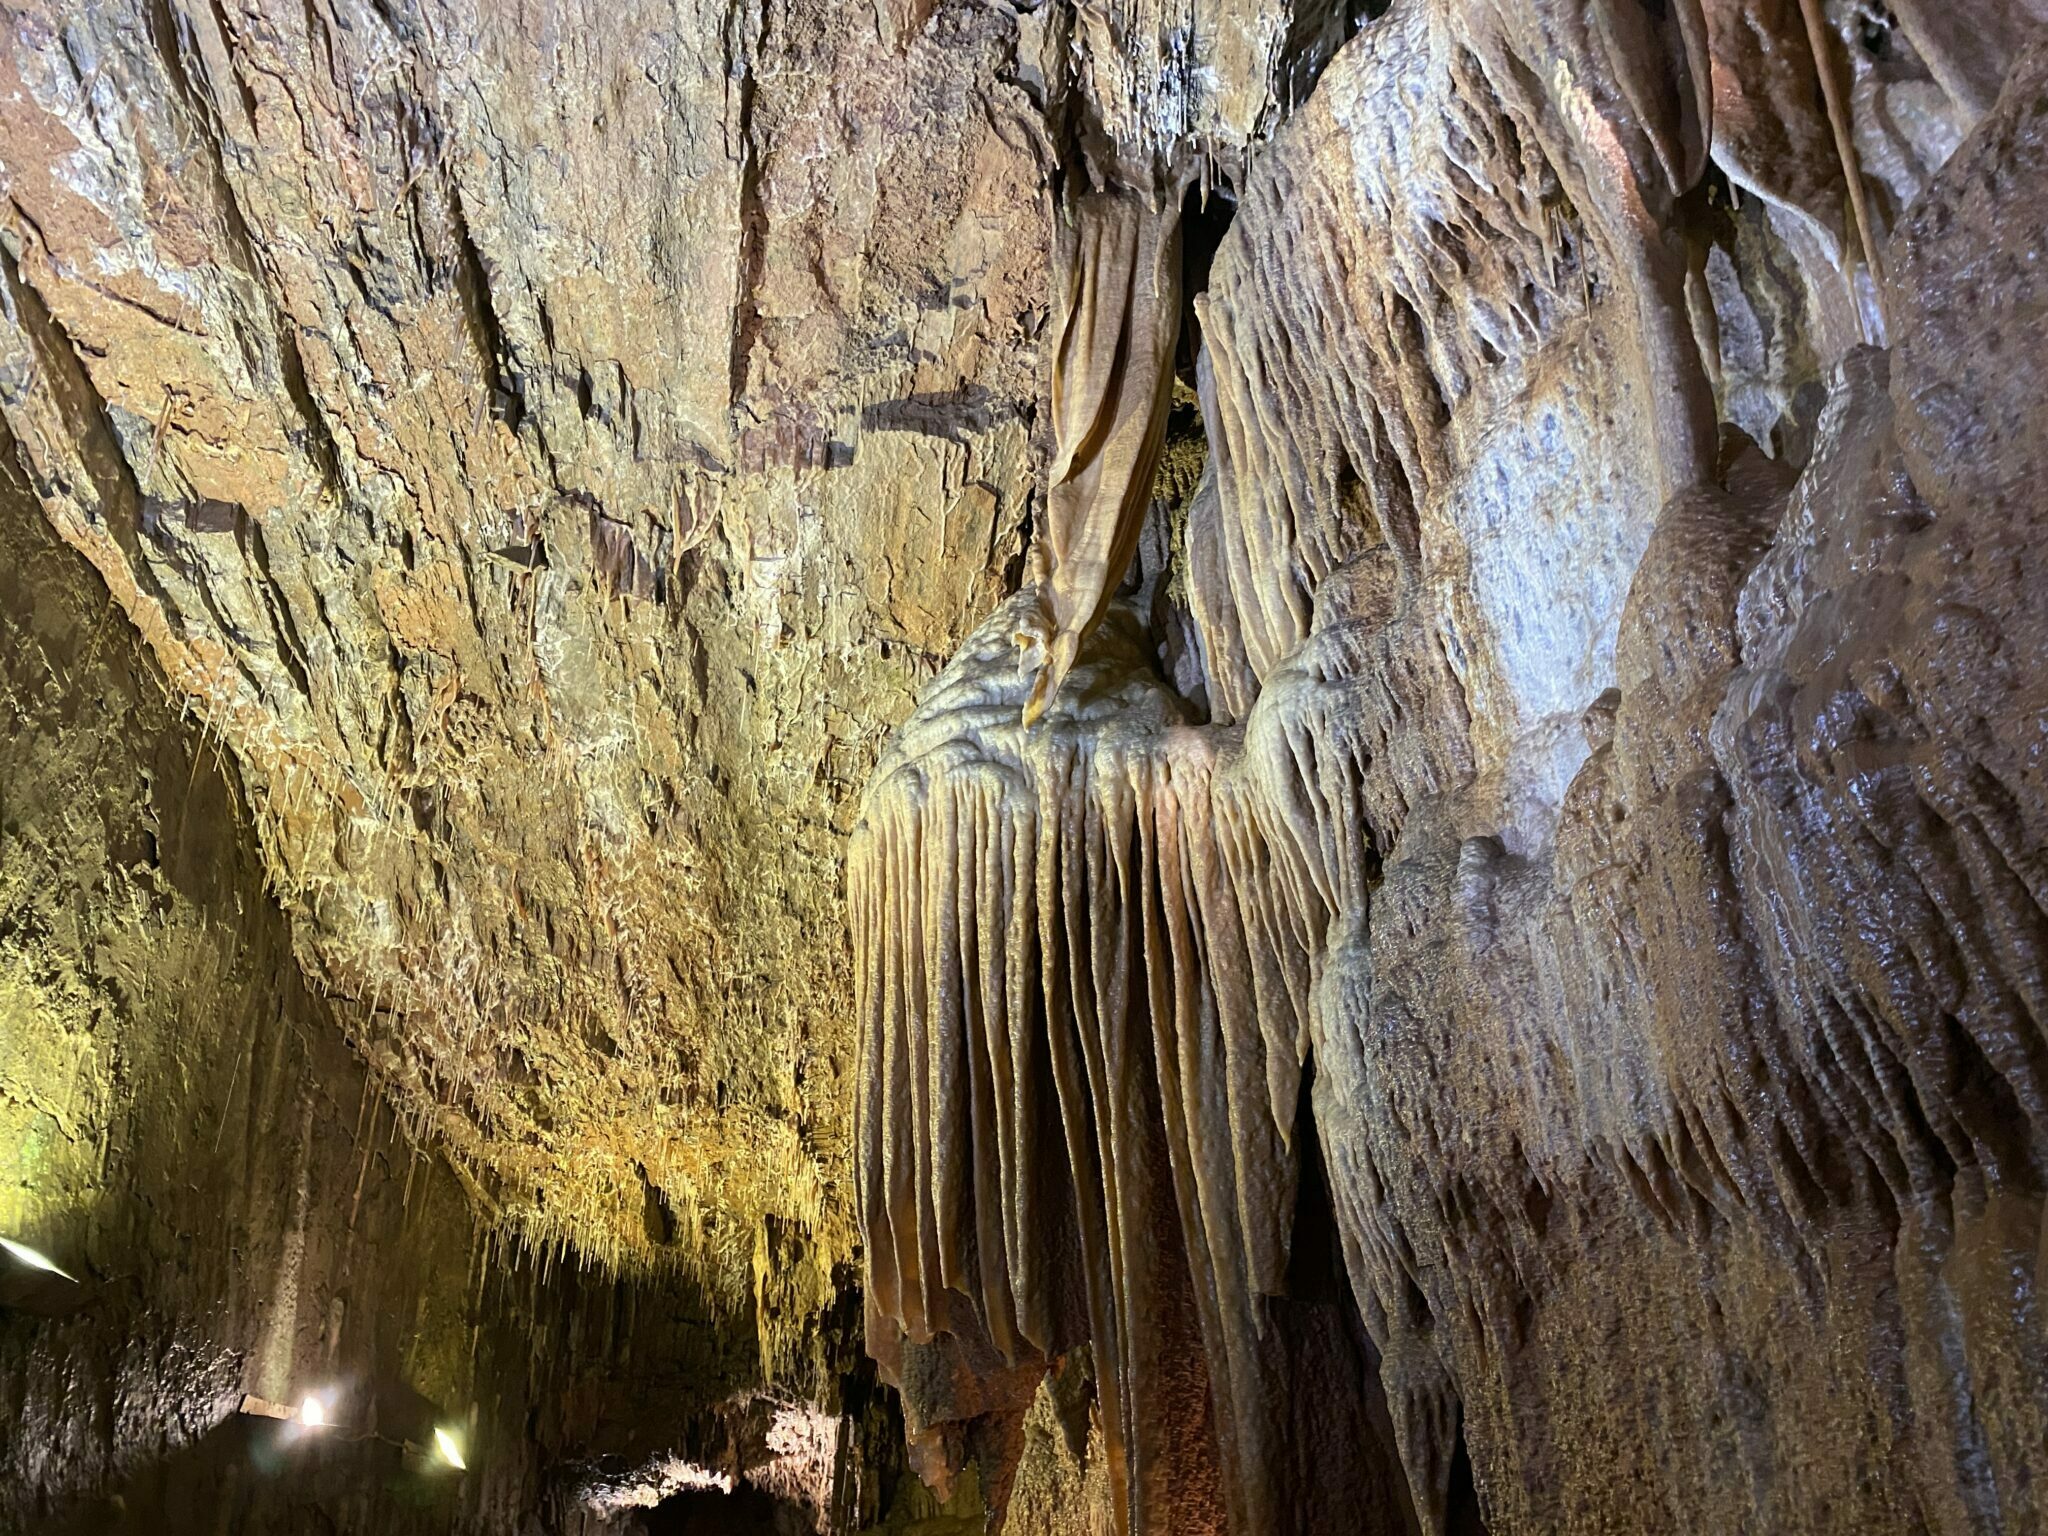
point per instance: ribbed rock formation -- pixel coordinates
(1117, 282)
(1641, 847)
(1409, 637)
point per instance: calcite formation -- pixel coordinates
(1118, 286)
(1629, 838)
(1298, 745)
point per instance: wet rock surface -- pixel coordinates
(1499, 988)
(1644, 879)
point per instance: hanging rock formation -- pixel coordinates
(1637, 839)
(1409, 638)
(1117, 271)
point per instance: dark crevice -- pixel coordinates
(1462, 1513)
(1205, 218)
(486, 332)
(1412, 340)
(291, 647)
(753, 219)
(226, 35)
(1315, 1257)
(1317, 30)
(746, 1511)
(1347, 1471)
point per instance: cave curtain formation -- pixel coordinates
(1117, 272)
(1631, 833)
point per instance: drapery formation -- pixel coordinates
(1663, 932)
(1086, 952)
(1117, 271)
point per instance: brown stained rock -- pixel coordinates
(1770, 127)
(1537, 1027)
(551, 548)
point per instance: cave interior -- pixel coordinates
(1024, 767)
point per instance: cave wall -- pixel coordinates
(1628, 828)
(493, 423)
(544, 451)
(550, 448)
(187, 1133)
(1502, 994)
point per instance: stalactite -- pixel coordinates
(1632, 931)
(1089, 946)
(1117, 268)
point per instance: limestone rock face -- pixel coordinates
(191, 1140)
(547, 456)
(1491, 980)
(1619, 879)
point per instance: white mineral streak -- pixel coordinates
(1431, 350)
(662, 1478)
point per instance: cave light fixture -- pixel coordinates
(23, 1254)
(449, 1448)
(313, 1411)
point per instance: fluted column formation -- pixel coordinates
(1634, 838)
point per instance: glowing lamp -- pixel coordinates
(450, 1451)
(311, 1410)
(27, 1255)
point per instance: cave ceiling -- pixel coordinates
(1041, 660)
